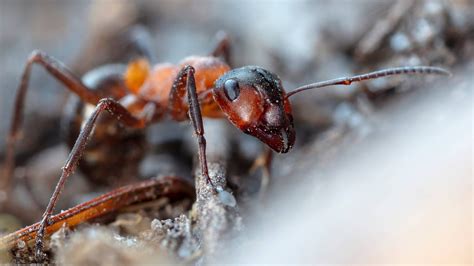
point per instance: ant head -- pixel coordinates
(254, 100)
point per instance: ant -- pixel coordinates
(250, 97)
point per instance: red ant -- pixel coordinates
(251, 98)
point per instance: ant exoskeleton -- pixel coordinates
(251, 98)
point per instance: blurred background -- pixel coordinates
(381, 171)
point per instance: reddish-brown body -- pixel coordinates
(260, 107)
(157, 82)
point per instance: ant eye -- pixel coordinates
(231, 89)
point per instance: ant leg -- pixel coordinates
(222, 48)
(196, 120)
(183, 83)
(263, 162)
(140, 41)
(59, 72)
(124, 117)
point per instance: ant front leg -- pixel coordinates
(124, 117)
(263, 163)
(185, 83)
(59, 72)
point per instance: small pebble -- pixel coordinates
(226, 198)
(399, 42)
(21, 244)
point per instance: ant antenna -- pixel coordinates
(373, 75)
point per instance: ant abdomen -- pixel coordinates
(111, 144)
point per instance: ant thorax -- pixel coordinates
(155, 83)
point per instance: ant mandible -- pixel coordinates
(251, 98)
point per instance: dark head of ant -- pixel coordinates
(253, 99)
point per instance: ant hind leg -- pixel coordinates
(124, 117)
(61, 73)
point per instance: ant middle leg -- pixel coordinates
(222, 48)
(60, 73)
(124, 117)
